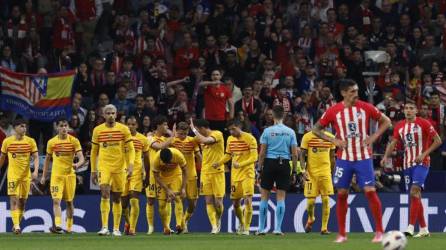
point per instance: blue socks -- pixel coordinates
(280, 213)
(262, 215)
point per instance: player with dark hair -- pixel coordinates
(212, 181)
(420, 139)
(19, 149)
(134, 183)
(170, 171)
(351, 120)
(191, 151)
(62, 150)
(241, 147)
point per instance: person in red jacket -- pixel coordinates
(185, 56)
(87, 13)
(63, 29)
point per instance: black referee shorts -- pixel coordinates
(276, 171)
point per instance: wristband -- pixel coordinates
(194, 130)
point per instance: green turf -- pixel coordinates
(196, 241)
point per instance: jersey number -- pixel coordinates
(54, 189)
(339, 172)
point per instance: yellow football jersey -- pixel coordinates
(141, 144)
(19, 154)
(171, 169)
(111, 143)
(213, 153)
(318, 162)
(188, 147)
(63, 153)
(242, 150)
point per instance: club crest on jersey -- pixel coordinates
(352, 130)
(14, 155)
(105, 144)
(410, 142)
(314, 150)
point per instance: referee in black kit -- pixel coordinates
(278, 144)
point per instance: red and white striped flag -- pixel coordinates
(25, 87)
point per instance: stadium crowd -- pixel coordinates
(148, 58)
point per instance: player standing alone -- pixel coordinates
(19, 148)
(110, 143)
(62, 149)
(416, 134)
(317, 158)
(351, 120)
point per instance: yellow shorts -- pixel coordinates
(192, 189)
(213, 184)
(19, 188)
(240, 189)
(134, 183)
(318, 185)
(152, 188)
(173, 183)
(63, 187)
(115, 180)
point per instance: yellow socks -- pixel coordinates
(15, 214)
(149, 214)
(239, 213)
(219, 211)
(163, 210)
(310, 209)
(325, 212)
(57, 221)
(248, 216)
(134, 213)
(178, 211)
(20, 214)
(126, 214)
(105, 211)
(211, 214)
(69, 224)
(186, 217)
(168, 213)
(117, 213)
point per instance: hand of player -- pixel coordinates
(35, 175)
(340, 143)
(419, 159)
(369, 140)
(170, 195)
(236, 165)
(192, 126)
(384, 161)
(183, 193)
(75, 166)
(94, 178)
(305, 176)
(42, 180)
(130, 170)
(174, 130)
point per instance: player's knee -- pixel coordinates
(248, 200)
(343, 191)
(150, 201)
(236, 203)
(56, 202)
(415, 191)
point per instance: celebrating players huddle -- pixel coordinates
(124, 162)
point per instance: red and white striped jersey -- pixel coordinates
(416, 137)
(351, 125)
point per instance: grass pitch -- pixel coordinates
(201, 241)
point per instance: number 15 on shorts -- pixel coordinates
(338, 174)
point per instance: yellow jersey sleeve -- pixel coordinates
(304, 143)
(77, 145)
(33, 145)
(5, 146)
(49, 147)
(178, 157)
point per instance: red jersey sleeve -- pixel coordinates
(327, 117)
(428, 128)
(396, 134)
(374, 112)
(228, 92)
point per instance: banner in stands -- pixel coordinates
(38, 216)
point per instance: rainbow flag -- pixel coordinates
(36, 96)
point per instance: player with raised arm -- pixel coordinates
(62, 150)
(157, 141)
(110, 145)
(212, 181)
(19, 149)
(170, 172)
(317, 159)
(191, 151)
(419, 139)
(241, 147)
(351, 120)
(134, 183)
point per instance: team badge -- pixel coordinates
(314, 150)
(110, 136)
(57, 154)
(105, 144)
(222, 94)
(14, 155)
(352, 127)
